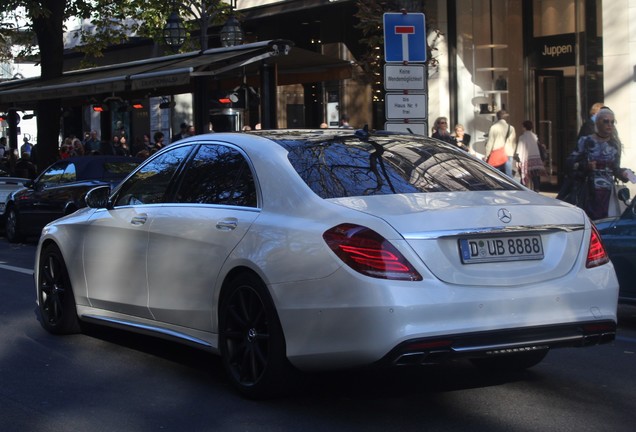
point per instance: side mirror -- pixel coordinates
(98, 197)
(623, 194)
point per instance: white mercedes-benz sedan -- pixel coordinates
(310, 250)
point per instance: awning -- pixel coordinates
(172, 74)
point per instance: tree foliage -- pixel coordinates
(104, 23)
(370, 15)
(34, 29)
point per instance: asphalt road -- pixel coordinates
(108, 380)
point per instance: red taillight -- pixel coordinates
(596, 255)
(367, 252)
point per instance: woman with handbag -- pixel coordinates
(530, 163)
(595, 167)
(500, 144)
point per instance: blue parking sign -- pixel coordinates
(404, 38)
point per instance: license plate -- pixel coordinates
(495, 249)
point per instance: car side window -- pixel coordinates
(149, 184)
(69, 174)
(218, 174)
(52, 176)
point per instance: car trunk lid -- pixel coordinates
(490, 238)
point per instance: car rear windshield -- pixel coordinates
(343, 166)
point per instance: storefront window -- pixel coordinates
(565, 72)
(489, 64)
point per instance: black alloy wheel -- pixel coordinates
(58, 313)
(251, 339)
(12, 226)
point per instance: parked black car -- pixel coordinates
(59, 190)
(619, 237)
(8, 185)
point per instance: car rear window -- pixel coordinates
(343, 166)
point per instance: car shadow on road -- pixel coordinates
(420, 381)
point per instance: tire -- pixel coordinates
(56, 303)
(511, 362)
(251, 339)
(12, 226)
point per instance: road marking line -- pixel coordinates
(17, 269)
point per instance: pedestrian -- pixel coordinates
(594, 167)
(440, 131)
(462, 139)
(190, 131)
(26, 146)
(3, 146)
(78, 148)
(120, 146)
(92, 142)
(530, 164)
(588, 127)
(34, 155)
(11, 156)
(157, 144)
(182, 132)
(500, 147)
(66, 149)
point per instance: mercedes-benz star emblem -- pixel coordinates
(504, 215)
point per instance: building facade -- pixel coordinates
(546, 61)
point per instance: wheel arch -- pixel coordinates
(227, 281)
(9, 205)
(62, 319)
(229, 277)
(46, 243)
(17, 236)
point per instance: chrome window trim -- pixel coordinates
(171, 204)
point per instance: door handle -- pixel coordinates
(227, 224)
(139, 220)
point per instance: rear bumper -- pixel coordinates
(502, 342)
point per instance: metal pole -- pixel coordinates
(13, 128)
(200, 98)
(203, 27)
(268, 96)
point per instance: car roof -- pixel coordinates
(88, 167)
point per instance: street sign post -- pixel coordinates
(404, 37)
(405, 77)
(409, 128)
(405, 106)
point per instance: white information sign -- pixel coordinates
(401, 77)
(405, 106)
(409, 128)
